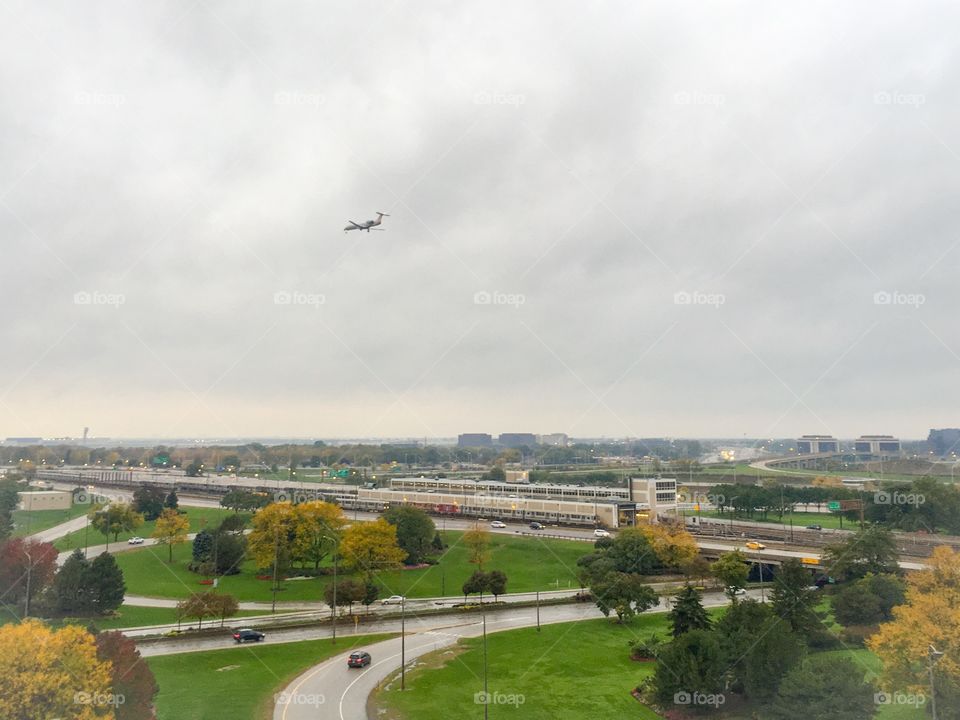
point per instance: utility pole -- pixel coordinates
(486, 696)
(276, 550)
(26, 601)
(933, 655)
(403, 643)
(538, 611)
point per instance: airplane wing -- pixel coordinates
(356, 225)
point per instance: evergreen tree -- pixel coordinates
(792, 599)
(202, 546)
(70, 585)
(106, 585)
(688, 612)
(171, 500)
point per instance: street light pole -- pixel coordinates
(486, 697)
(26, 601)
(403, 643)
(933, 655)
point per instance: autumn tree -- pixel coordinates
(672, 545)
(271, 540)
(131, 677)
(930, 617)
(115, 519)
(348, 592)
(317, 528)
(222, 605)
(171, 529)
(47, 673)
(477, 541)
(370, 547)
(26, 568)
(198, 606)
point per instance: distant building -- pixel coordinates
(46, 500)
(944, 442)
(467, 440)
(816, 444)
(23, 441)
(515, 440)
(555, 440)
(517, 476)
(877, 446)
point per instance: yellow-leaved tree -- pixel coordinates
(48, 673)
(671, 543)
(371, 547)
(272, 537)
(171, 529)
(931, 616)
(318, 526)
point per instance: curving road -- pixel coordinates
(341, 693)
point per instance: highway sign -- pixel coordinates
(833, 506)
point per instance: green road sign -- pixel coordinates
(833, 506)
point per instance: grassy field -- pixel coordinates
(28, 522)
(570, 670)
(800, 519)
(530, 564)
(199, 519)
(239, 684)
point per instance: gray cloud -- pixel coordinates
(607, 169)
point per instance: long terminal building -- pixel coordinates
(641, 500)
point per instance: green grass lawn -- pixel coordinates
(27, 522)
(129, 616)
(800, 519)
(199, 519)
(239, 684)
(569, 670)
(530, 564)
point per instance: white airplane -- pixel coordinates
(368, 225)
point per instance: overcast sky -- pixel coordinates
(620, 219)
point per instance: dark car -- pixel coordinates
(358, 659)
(246, 635)
(536, 526)
(814, 527)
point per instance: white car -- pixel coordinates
(135, 541)
(392, 600)
(600, 532)
(498, 524)
(736, 591)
